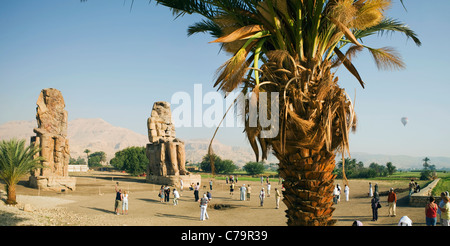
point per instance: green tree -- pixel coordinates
(78, 161)
(428, 170)
(87, 151)
(291, 47)
(221, 166)
(96, 159)
(133, 160)
(391, 169)
(16, 160)
(254, 168)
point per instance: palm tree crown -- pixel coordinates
(16, 160)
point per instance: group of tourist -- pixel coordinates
(164, 194)
(431, 209)
(442, 209)
(337, 193)
(414, 187)
(121, 199)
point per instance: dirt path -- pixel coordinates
(92, 204)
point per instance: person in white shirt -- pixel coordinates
(176, 195)
(125, 202)
(203, 205)
(347, 192)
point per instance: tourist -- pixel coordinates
(161, 194)
(196, 188)
(268, 189)
(231, 188)
(277, 198)
(376, 188)
(346, 192)
(242, 192)
(370, 190)
(392, 202)
(262, 195)
(357, 223)
(445, 211)
(208, 194)
(336, 193)
(431, 212)
(210, 184)
(181, 184)
(262, 180)
(203, 205)
(416, 187)
(176, 195)
(166, 193)
(405, 221)
(339, 193)
(412, 186)
(125, 202)
(375, 204)
(441, 203)
(118, 199)
(249, 191)
(226, 180)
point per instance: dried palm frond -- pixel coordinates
(370, 13)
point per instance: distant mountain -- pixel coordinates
(92, 134)
(99, 135)
(197, 148)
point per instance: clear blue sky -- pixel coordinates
(113, 63)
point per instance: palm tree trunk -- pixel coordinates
(309, 184)
(11, 194)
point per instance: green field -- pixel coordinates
(443, 185)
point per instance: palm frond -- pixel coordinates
(389, 25)
(205, 26)
(387, 58)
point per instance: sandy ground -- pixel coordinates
(92, 204)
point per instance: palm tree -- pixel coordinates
(87, 151)
(15, 161)
(290, 47)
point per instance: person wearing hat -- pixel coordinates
(242, 194)
(445, 211)
(392, 202)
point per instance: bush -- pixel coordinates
(254, 168)
(132, 160)
(220, 166)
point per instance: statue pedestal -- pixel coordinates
(174, 180)
(55, 183)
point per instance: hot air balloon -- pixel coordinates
(404, 121)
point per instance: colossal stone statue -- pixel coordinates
(165, 152)
(51, 137)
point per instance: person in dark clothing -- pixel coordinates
(166, 194)
(196, 188)
(375, 203)
(117, 202)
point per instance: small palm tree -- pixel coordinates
(16, 160)
(87, 151)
